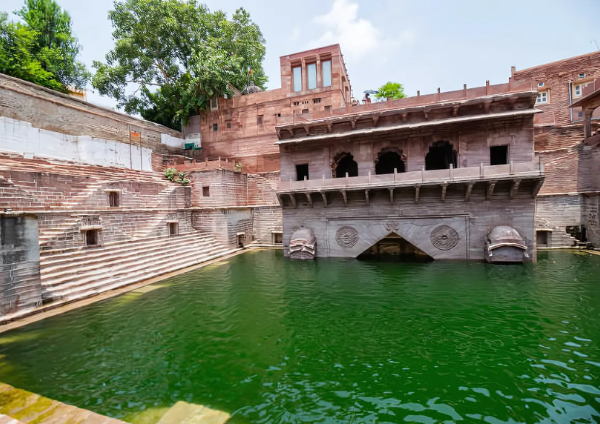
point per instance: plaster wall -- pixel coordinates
(21, 137)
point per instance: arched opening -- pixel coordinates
(440, 156)
(346, 164)
(394, 248)
(389, 159)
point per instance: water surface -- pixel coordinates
(335, 341)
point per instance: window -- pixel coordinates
(113, 199)
(540, 84)
(229, 125)
(312, 75)
(173, 228)
(498, 155)
(259, 120)
(91, 237)
(205, 191)
(581, 75)
(315, 101)
(277, 238)
(301, 172)
(297, 75)
(542, 97)
(328, 108)
(326, 67)
(577, 90)
(296, 103)
(214, 103)
(215, 127)
(304, 111)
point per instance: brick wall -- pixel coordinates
(556, 76)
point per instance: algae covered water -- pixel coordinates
(269, 341)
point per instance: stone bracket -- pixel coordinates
(417, 193)
(345, 197)
(309, 198)
(490, 190)
(367, 197)
(444, 188)
(324, 196)
(514, 188)
(293, 199)
(469, 190)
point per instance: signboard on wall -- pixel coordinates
(135, 137)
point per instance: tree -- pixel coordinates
(171, 57)
(43, 50)
(391, 91)
(16, 57)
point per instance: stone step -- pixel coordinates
(74, 271)
(160, 268)
(120, 269)
(190, 413)
(55, 268)
(51, 257)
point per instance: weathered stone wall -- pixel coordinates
(265, 221)
(559, 210)
(590, 213)
(414, 221)
(52, 111)
(20, 285)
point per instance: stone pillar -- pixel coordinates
(319, 73)
(304, 76)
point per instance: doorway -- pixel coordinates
(388, 161)
(441, 155)
(346, 165)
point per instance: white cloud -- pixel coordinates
(358, 37)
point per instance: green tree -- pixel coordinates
(16, 58)
(391, 91)
(55, 47)
(171, 57)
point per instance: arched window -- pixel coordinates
(389, 159)
(440, 156)
(346, 164)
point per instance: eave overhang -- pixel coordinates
(403, 126)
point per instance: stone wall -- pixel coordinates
(415, 222)
(52, 111)
(590, 212)
(559, 210)
(20, 285)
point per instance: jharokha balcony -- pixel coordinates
(517, 179)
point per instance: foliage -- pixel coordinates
(55, 46)
(391, 91)
(16, 57)
(176, 177)
(179, 55)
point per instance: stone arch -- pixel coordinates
(440, 156)
(344, 163)
(388, 159)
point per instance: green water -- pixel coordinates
(269, 340)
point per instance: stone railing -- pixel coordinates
(441, 176)
(209, 165)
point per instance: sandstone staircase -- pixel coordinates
(559, 238)
(77, 274)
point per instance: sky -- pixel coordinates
(422, 44)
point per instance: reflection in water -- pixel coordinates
(272, 340)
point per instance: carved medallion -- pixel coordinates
(444, 237)
(346, 237)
